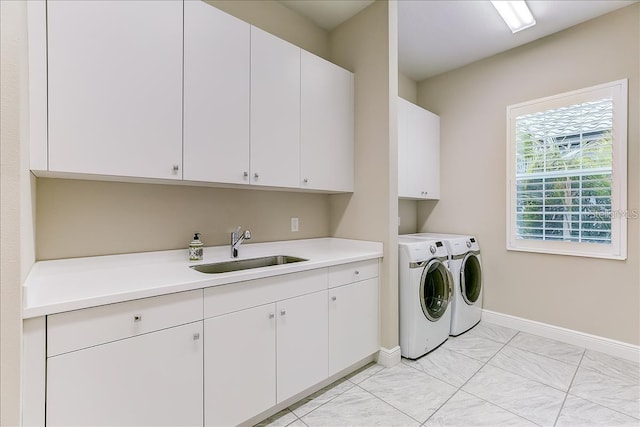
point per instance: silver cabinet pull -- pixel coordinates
(357, 272)
(256, 176)
(246, 174)
(306, 180)
(137, 318)
(176, 168)
(333, 298)
(196, 336)
(271, 315)
(283, 312)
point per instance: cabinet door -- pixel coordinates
(353, 323)
(149, 380)
(115, 87)
(403, 148)
(216, 95)
(424, 153)
(302, 341)
(326, 120)
(240, 365)
(432, 169)
(275, 111)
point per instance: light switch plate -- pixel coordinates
(294, 224)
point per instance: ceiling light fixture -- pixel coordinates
(515, 13)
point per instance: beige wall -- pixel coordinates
(366, 45)
(407, 88)
(78, 218)
(595, 296)
(16, 223)
(277, 19)
(86, 218)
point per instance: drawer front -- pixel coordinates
(239, 296)
(353, 272)
(78, 329)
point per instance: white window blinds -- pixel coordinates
(566, 173)
(563, 173)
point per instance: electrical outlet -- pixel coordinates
(294, 224)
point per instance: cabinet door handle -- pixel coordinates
(306, 180)
(256, 176)
(246, 174)
(271, 315)
(283, 312)
(196, 336)
(137, 318)
(176, 168)
(333, 298)
(357, 272)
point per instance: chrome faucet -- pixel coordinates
(236, 240)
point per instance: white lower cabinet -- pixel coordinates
(155, 361)
(353, 323)
(239, 369)
(261, 356)
(302, 340)
(153, 379)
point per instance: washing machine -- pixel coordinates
(425, 290)
(466, 267)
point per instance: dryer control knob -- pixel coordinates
(468, 244)
(432, 249)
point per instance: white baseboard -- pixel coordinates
(569, 336)
(389, 357)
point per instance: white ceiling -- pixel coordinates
(435, 36)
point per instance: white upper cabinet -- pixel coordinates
(275, 111)
(216, 95)
(115, 88)
(326, 134)
(179, 90)
(418, 152)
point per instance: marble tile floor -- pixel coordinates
(489, 376)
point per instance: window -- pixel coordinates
(567, 177)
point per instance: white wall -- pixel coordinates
(596, 296)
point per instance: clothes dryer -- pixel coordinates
(466, 267)
(425, 291)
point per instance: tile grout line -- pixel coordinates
(531, 379)
(446, 382)
(382, 400)
(478, 397)
(589, 400)
(569, 388)
(339, 394)
(459, 388)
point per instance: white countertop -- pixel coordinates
(71, 284)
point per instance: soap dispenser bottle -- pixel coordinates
(195, 248)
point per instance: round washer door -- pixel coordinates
(470, 278)
(435, 290)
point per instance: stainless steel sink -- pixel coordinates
(245, 264)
